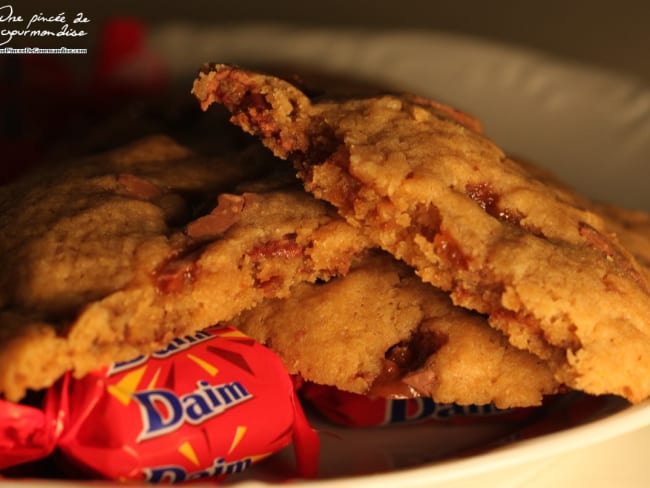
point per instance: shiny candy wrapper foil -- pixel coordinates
(207, 406)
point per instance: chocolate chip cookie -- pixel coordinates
(381, 331)
(424, 184)
(112, 256)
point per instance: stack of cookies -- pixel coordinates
(411, 256)
(555, 286)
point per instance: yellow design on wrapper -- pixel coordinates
(258, 457)
(187, 450)
(239, 435)
(211, 369)
(122, 389)
(154, 380)
(231, 333)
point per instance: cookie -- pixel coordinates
(113, 256)
(631, 227)
(428, 187)
(381, 331)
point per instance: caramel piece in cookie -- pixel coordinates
(427, 187)
(113, 256)
(381, 331)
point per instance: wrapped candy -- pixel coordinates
(208, 405)
(354, 410)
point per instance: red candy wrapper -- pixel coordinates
(208, 405)
(353, 410)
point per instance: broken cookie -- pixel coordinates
(382, 332)
(113, 256)
(426, 186)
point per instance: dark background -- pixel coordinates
(614, 35)
(54, 106)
